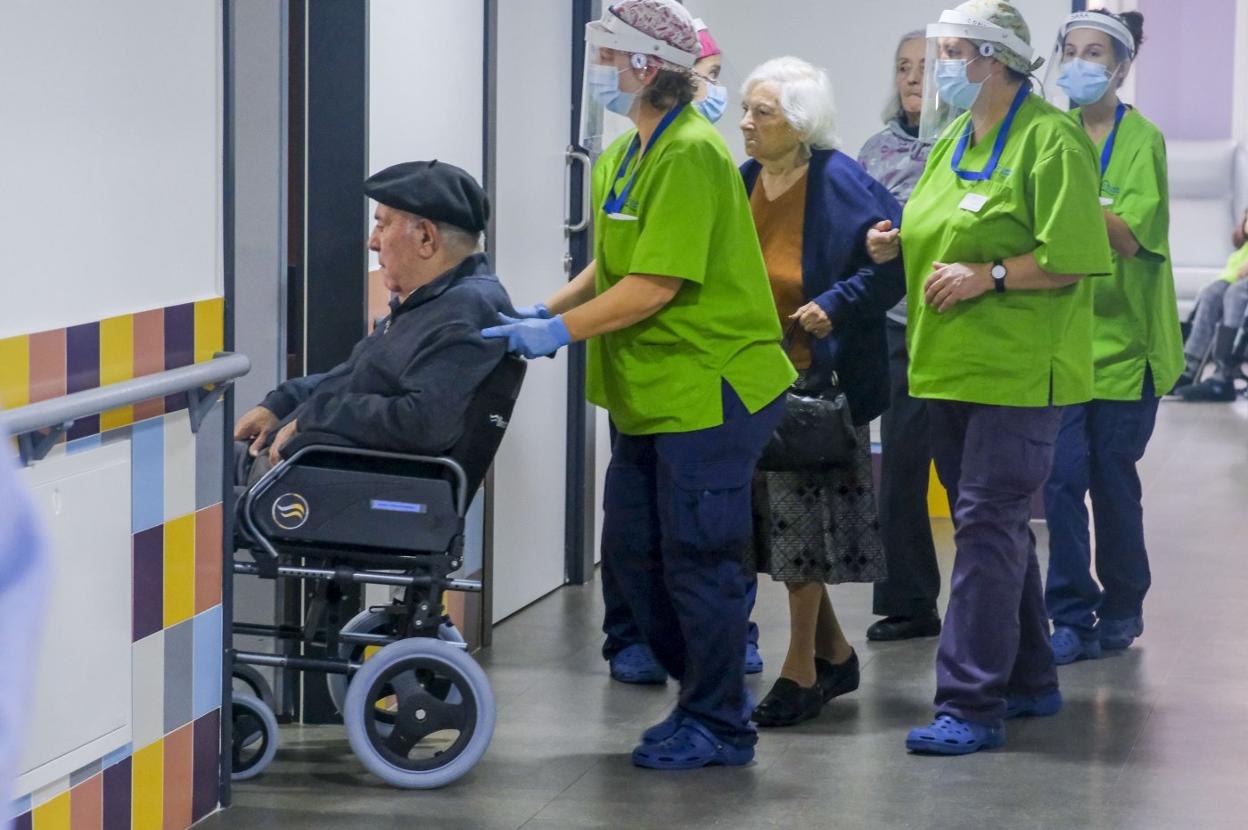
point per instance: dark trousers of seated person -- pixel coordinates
(249, 470)
(1097, 449)
(913, 582)
(995, 640)
(676, 532)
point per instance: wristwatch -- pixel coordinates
(998, 276)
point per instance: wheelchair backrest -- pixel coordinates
(486, 420)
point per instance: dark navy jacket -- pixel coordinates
(842, 202)
(407, 386)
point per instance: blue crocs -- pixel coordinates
(691, 746)
(636, 664)
(1118, 634)
(664, 729)
(1069, 645)
(1033, 706)
(753, 660)
(948, 735)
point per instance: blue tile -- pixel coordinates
(209, 447)
(19, 807)
(207, 693)
(117, 756)
(83, 444)
(147, 472)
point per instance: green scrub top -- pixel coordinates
(1017, 348)
(687, 216)
(1236, 261)
(1135, 312)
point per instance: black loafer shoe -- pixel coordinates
(836, 679)
(905, 628)
(788, 703)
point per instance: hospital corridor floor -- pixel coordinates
(1154, 737)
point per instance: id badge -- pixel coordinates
(973, 202)
(622, 217)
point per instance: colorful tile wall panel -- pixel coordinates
(82, 371)
(147, 805)
(179, 345)
(53, 815)
(149, 582)
(206, 694)
(207, 777)
(147, 662)
(118, 789)
(14, 371)
(209, 328)
(149, 356)
(179, 462)
(116, 365)
(179, 602)
(179, 683)
(208, 558)
(179, 777)
(86, 804)
(147, 473)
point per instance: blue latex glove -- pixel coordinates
(538, 311)
(532, 337)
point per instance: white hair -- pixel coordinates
(805, 98)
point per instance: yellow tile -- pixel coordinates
(209, 328)
(179, 569)
(937, 499)
(14, 372)
(53, 815)
(148, 771)
(116, 365)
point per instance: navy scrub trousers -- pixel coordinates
(995, 639)
(675, 537)
(1097, 449)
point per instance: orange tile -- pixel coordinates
(149, 356)
(208, 554)
(47, 365)
(179, 780)
(86, 805)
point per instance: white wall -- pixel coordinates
(425, 78)
(109, 159)
(854, 42)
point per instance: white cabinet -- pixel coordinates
(81, 695)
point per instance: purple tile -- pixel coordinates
(179, 346)
(117, 796)
(24, 822)
(206, 772)
(82, 371)
(149, 581)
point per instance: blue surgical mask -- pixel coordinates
(713, 105)
(604, 86)
(1084, 81)
(954, 86)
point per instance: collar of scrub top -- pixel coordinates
(615, 204)
(954, 23)
(997, 146)
(1107, 152)
(471, 264)
(613, 32)
(1109, 24)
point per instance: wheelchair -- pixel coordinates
(1239, 349)
(418, 709)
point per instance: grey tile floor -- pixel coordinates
(1156, 737)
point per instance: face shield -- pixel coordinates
(718, 94)
(956, 63)
(617, 58)
(1092, 54)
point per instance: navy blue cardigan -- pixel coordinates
(842, 202)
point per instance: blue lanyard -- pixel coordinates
(1108, 150)
(997, 146)
(614, 203)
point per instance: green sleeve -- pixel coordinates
(1065, 206)
(677, 218)
(1143, 201)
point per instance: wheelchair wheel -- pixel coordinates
(441, 721)
(253, 683)
(370, 622)
(254, 736)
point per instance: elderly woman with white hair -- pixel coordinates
(812, 207)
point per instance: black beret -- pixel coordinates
(432, 189)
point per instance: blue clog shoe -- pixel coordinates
(1033, 706)
(636, 664)
(691, 746)
(948, 735)
(1118, 634)
(1070, 644)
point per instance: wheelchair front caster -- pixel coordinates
(420, 713)
(253, 683)
(254, 736)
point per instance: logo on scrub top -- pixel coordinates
(290, 511)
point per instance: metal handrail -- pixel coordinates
(203, 381)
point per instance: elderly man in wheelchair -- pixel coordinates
(363, 475)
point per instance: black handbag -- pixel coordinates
(817, 432)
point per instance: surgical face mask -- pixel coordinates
(1084, 81)
(604, 85)
(953, 84)
(713, 105)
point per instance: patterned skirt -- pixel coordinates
(819, 527)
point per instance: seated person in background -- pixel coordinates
(1220, 313)
(406, 386)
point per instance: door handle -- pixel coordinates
(573, 155)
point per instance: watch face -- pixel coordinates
(998, 272)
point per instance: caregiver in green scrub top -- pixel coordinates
(684, 352)
(1137, 352)
(997, 238)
